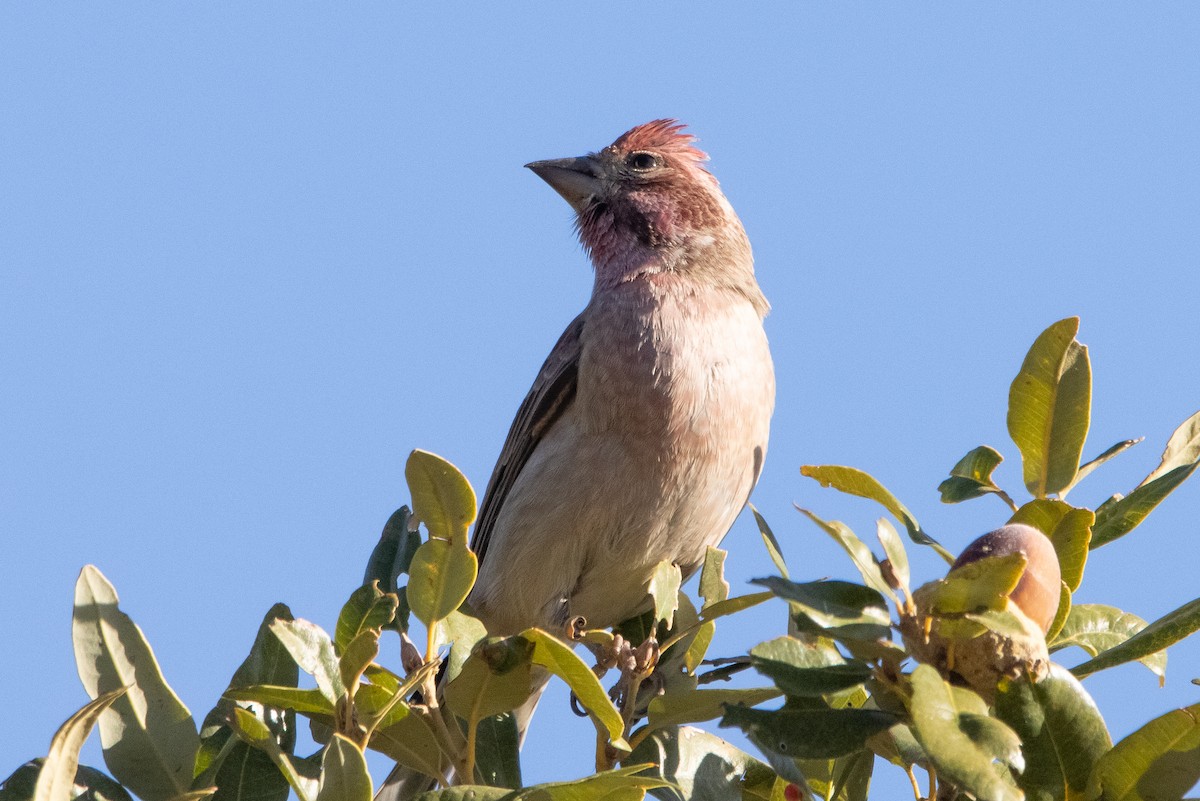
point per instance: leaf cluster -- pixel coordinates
(833, 695)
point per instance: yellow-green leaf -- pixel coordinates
(440, 578)
(442, 497)
(1049, 408)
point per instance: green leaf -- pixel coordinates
(394, 551)
(622, 784)
(809, 733)
(1161, 760)
(558, 657)
(897, 558)
(983, 584)
(799, 668)
(971, 477)
(312, 650)
(391, 558)
(441, 577)
(1086, 469)
(294, 698)
(855, 482)
(238, 769)
(148, 735)
(358, 655)
(1096, 628)
(731, 606)
(368, 609)
(411, 743)
(1061, 729)
(1167, 630)
(1061, 614)
(253, 731)
(442, 497)
(466, 792)
(713, 586)
(344, 775)
(95, 785)
(1116, 519)
(858, 551)
(1049, 408)
(497, 757)
(700, 765)
(57, 777)
(664, 590)
(962, 753)
(496, 678)
(837, 609)
(697, 706)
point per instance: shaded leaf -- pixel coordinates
(1061, 729)
(1158, 762)
(440, 578)
(497, 758)
(699, 765)
(411, 743)
(357, 656)
(148, 736)
(809, 733)
(1096, 628)
(496, 678)
(836, 608)
(801, 669)
(1168, 629)
(312, 650)
(56, 781)
(696, 706)
(442, 497)
(959, 752)
(344, 775)
(1049, 408)
(971, 477)
(236, 768)
(855, 482)
(368, 609)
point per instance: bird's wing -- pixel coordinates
(551, 394)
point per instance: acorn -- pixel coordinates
(983, 659)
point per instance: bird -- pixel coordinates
(646, 427)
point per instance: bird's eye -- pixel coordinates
(642, 161)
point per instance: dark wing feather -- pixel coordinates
(551, 394)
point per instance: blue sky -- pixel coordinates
(251, 255)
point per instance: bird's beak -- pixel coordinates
(577, 179)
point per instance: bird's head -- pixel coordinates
(645, 196)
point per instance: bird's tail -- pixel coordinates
(405, 783)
